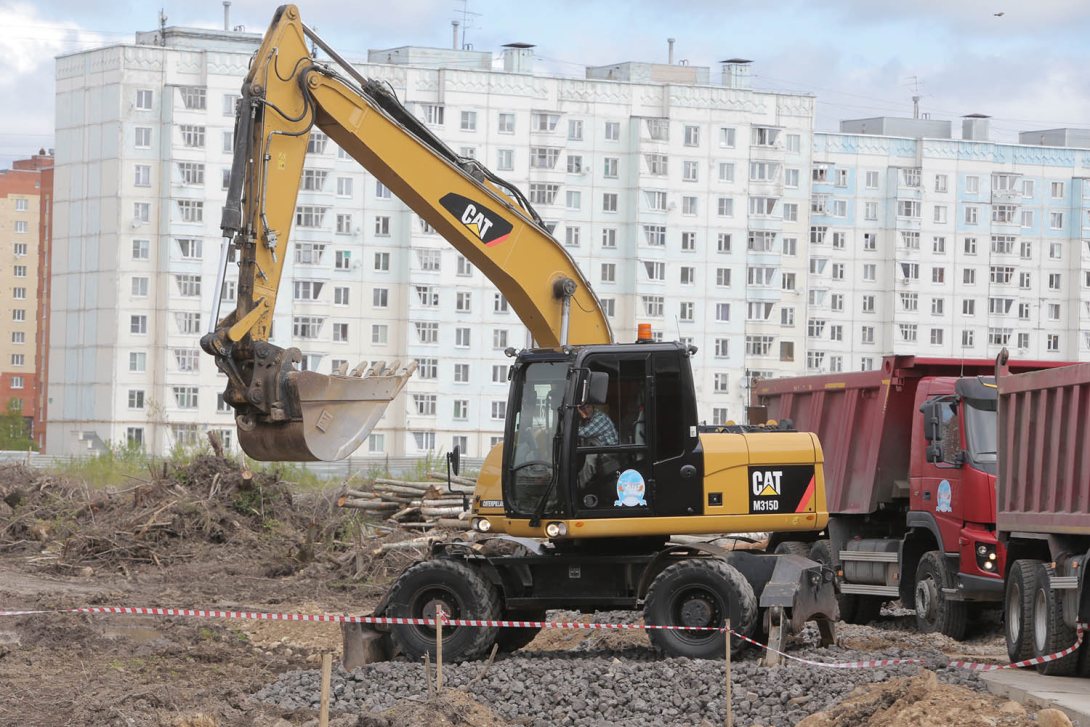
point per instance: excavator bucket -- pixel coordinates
(337, 413)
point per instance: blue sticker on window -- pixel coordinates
(630, 489)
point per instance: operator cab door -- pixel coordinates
(654, 467)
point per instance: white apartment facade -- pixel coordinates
(704, 208)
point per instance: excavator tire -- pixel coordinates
(700, 592)
(461, 591)
(854, 609)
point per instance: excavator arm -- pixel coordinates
(283, 413)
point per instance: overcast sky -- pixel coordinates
(1028, 68)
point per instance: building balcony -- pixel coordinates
(761, 152)
(1006, 196)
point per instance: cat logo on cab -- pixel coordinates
(485, 225)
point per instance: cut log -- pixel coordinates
(432, 512)
(405, 545)
(407, 512)
(377, 506)
(453, 523)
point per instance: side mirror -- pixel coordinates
(595, 388)
(932, 423)
(454, 460)
(934, 453)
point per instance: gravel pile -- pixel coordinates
(630, 686)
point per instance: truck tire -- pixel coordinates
(1050, 633)
(934, 611)
(854, 609)
(793, 547)
(512, 638)
(1084, 655)
(700, 592)
(1018, 609)
(461, 591)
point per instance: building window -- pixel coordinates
(306, 326)
(575, 130)
(191, 210)
(340, 332)
(185, 396)
(433, 113)
(506, 123)
(138, 324)
(138, 361)
(194, 98)
(380, 334)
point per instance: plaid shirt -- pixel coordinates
(599, 427)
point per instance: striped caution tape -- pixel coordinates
(1080, 630)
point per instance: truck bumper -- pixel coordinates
(978, 588)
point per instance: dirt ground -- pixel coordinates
(210, 538)
(920, 700)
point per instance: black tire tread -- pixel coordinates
(954, 615)
(741, 594)
(1059, 634)
(1022, 575)
(480, 639)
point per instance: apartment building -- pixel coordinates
(690, 201)
(929, 245)
(674, 191)
(24, 223)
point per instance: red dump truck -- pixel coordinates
(1043, 518)
(910, 474)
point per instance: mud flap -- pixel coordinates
(364, 644)
(801, 590)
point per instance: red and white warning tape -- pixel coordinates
(577, 625)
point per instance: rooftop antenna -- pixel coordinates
(467, 19)
(915, 81)
(162, 27)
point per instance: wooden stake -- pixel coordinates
(728, 719)
(438, 649)
(327, 672)
(427, 677)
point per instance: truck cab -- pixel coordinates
(952, 476)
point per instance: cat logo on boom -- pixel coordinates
(486, 226)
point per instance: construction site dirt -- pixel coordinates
(207, 534)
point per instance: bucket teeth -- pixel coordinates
(342, 369)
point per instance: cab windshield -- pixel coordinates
(980, 435)
(534, 428)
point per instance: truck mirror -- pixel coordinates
(934, 453)
(932, 422)
(595, 388)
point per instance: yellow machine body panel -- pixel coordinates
(753, 482)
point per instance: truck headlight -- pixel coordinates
(482, 525)
(986, 557)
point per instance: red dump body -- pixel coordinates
(1044, 451)
(864, 421)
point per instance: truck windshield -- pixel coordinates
(535, 423)
(981, 434)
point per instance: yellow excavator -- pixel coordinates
(603, 458)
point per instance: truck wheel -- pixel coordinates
(793, 547)
(461, 591)
(1018, 609)
(1084, 655)
(700, 592)
(934, 611)
(853, 609)
(1050, 633)
(511, 638)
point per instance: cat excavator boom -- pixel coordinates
(286, 414)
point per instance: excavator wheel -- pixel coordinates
(461, 591)
(700, 592)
